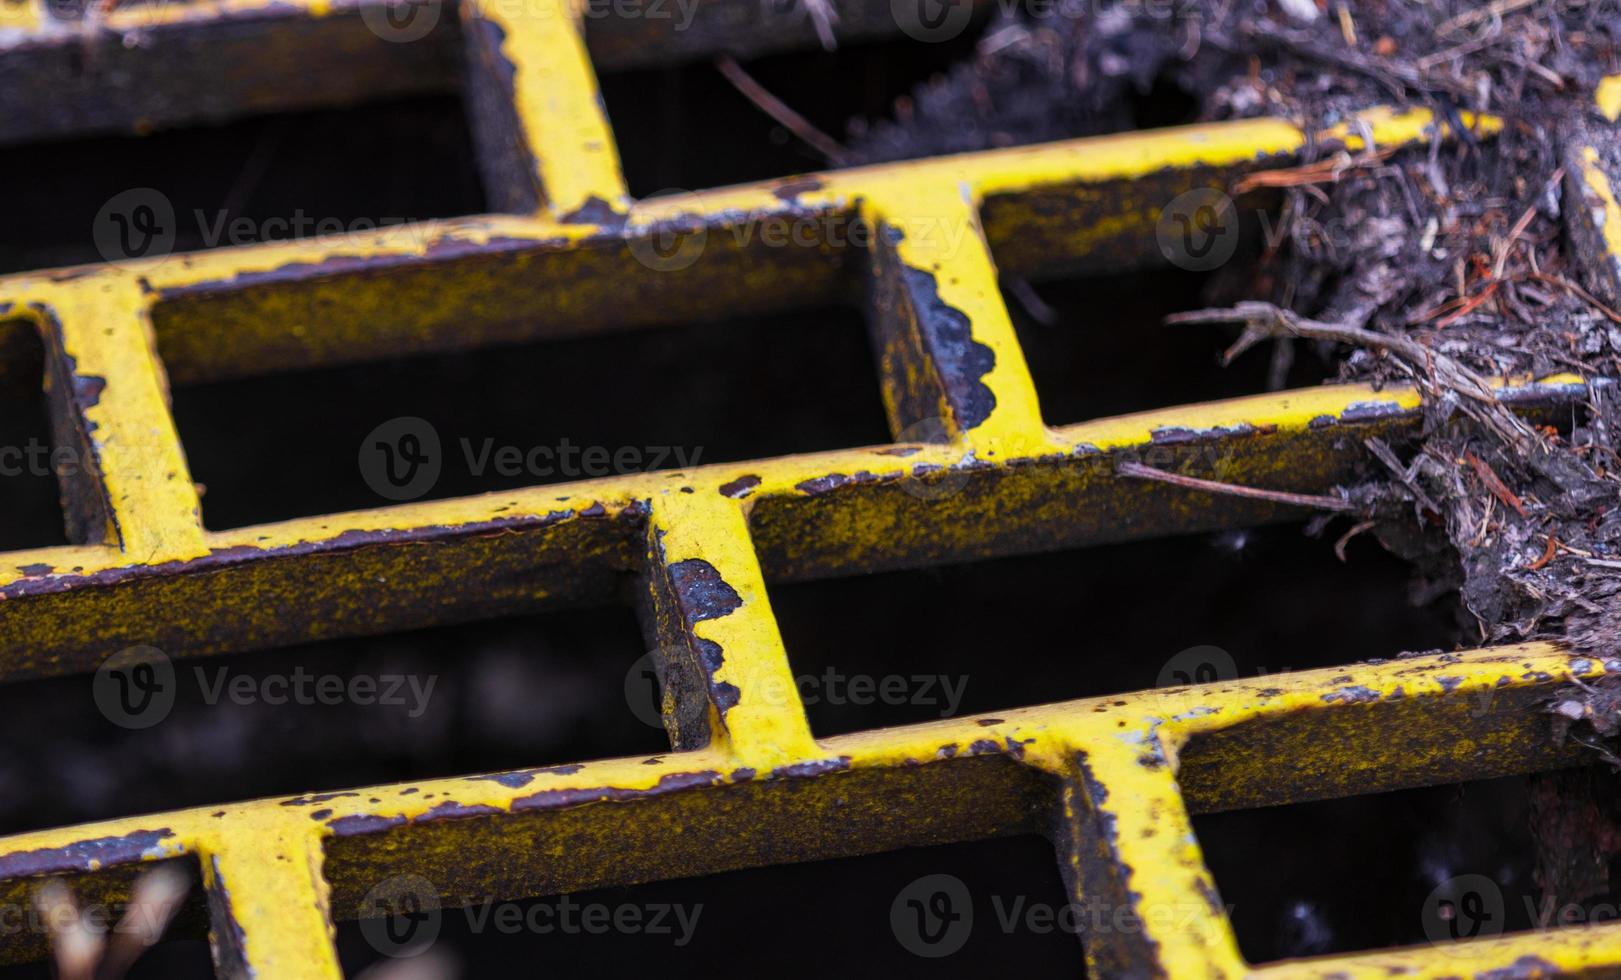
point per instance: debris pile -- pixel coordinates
(1446, 267)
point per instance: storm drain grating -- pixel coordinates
(972, 471)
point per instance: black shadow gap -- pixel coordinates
(913, 646)
(883, 915)
(30, 501)
(290, 445)
(327, 174)
(509, 693)
(1408, 867)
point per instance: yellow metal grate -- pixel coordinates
(748, 783)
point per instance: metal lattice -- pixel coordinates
(748, 783)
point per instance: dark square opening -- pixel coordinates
(913, 646)
(315, 442)
(323, 173)
(840, 918)
(1098, 345)
(1459, 861)
(986, 84)
(688, 128)
(478, 697)
(30, 501)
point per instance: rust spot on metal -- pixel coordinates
(364, 823)
(1525, 967)
(523, 777)
(317, 798)
(1354, 694)
(961, 361)
(230, 953)
(739, 488)
(85, 855)
(702, 593)
(552, 799)
(1371, 411)
(87, 389)
(988, 722)
(815, 768)
(451, 810)
(790, 189)
(1174, 435)
(596, 211)
(834, 481)
(320, 814)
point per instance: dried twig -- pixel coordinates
(823, 17)
(1263, 321)
(1495, 483)
(1580, 293)
(1326, 171)
(1234, 490)
(1477, 14)
(774, 107)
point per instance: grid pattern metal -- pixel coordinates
(1113, 780)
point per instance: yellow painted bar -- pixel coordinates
(560, 114)
(766, 728)
(154, 503)
(983, 174)
(941, 235)
(267, 853)
(264, 867)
